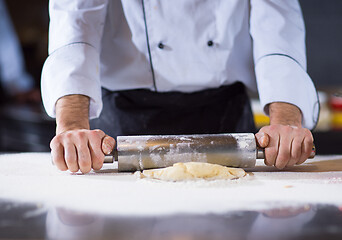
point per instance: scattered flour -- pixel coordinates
(30, 177)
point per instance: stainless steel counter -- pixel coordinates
(35, 221)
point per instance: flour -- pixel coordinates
(32, 178)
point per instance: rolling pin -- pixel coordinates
(135, 153)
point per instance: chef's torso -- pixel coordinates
(176, 45)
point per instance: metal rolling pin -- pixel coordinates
(145, 152)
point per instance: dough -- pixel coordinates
(193, 170)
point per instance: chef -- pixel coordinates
(176, 67)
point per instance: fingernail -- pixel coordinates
(108, 145)
(262, 139)
(108, 148)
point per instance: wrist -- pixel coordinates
(72, 113)
(285, 114)
(64, 127)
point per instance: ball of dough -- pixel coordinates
(193, 170)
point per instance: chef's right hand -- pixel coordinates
(80, 149)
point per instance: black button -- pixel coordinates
(210, 43)
(161, 46)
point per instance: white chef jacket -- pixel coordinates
(178, 45)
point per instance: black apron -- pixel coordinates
(143, 112)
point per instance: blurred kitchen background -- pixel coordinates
(24, 126)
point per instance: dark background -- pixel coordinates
(323, 20)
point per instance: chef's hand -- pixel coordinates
(81, 149)
(75, 147)
(285, 141)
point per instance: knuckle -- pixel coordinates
(307, 131)
(81, 135)
(309, 140)
(308, 134)
(287, 129)
(56, 140)
(52, 144)
(264, 129)
(96, 134)
(68, 134)
(273, 127)
(297, 132)
(93, 133)
(99, 132)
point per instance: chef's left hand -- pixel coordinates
(285, 145)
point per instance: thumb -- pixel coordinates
(262, 139)
(108, 144)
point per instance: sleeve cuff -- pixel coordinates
(72, 69)
(282, 79)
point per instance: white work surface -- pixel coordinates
(30, 177)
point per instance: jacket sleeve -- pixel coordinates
(278, 34)
(72, 66)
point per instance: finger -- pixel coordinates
(83, 155)
(71, 157)
(99, 133)
(296, 150)
(108, 144)
(57, 156)
(96, 154)
(271, 151)
(306, 150)
(262, 139)
(284, 153)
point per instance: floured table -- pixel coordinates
(30, 178)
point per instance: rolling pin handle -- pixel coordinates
(110, 158)
(260, 153)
